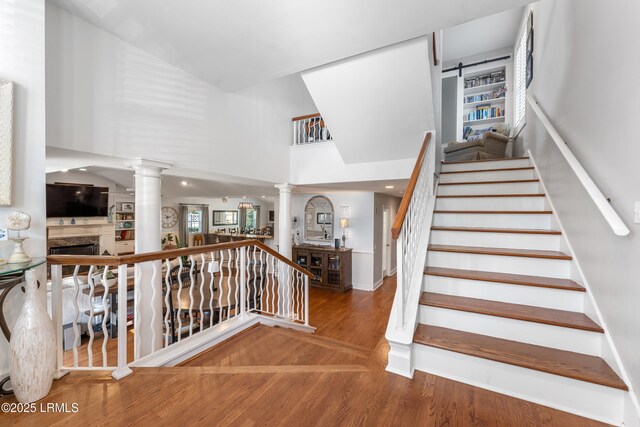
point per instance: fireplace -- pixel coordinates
(81, 245)
(88, 249)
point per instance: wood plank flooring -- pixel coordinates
(271, 376)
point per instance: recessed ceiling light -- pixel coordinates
(244, 197)
(264, 197)
(83, 169)
(388, 186)
(184, 183)
(64, 170)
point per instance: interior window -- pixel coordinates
(251, 221)
(194, 221)
(519, 80)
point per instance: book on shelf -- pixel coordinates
(499, 93)
(482, 112)
(125, 235)
(485, 79)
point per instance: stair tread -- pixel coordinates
(564, 363)
(528, 253)
(507, 212)
(465, 196)
(490, 170)
(514, 279)
(485, 160)
(529, 313)
(496, 230)
(506, 181)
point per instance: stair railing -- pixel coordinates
(411, 230)
(607, 211)
(183, 301)
(310, 129)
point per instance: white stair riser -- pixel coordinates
(488, 176)
(491, 203)
(579, 397)
(568, 339)
(528, 221)
(545, 242)
(501, 264)
(473, 166)
(502, 188)
(505, 292)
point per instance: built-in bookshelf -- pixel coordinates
(484, 97)
(125, 221)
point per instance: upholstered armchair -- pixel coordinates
(492, 145)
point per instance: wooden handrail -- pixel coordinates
(112, 261)
(308, 116)
(408, 194)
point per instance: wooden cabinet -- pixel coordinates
(331, 267)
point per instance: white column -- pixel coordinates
(148, 288)
(284, 247)
(284, 220)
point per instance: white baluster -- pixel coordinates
(306, 300)
(89, 322)
(123, 369)
(221, 287)
(56, 312)
(156, 266)
(136, 316)
(167, 303)
(106, 312)
(202, 263)
(191, 284)
(179, 307)
(243, 281)
(76, 317)
(211, 288)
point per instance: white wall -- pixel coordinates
(360, 232)
(377, 105)
(382, 201)
(586, 81)
(22, 60)
(107, 97)
(322, 163)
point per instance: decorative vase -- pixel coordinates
(18, 256)
(32, 352)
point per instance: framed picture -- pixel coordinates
(6, 142)
(529, 70)
(272, 216)
(127, 207)
(225, 218)
(324, 218)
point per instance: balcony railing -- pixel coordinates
(183, 300)
(310, 129)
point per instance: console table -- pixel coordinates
(331, 267)
(12, 275)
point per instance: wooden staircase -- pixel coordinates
(502, 307)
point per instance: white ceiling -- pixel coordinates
(234, 44)
(482, 35)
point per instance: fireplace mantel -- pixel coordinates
(104, 231)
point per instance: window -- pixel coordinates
(251, 221)
(519, 80)
(194, 221)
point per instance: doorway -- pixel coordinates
(386, 241)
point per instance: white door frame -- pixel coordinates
(386, 241)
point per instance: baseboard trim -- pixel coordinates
(378, 284)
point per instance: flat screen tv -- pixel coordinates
(76, 200)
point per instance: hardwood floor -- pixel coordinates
(273, 376)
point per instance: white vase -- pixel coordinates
(32, 354)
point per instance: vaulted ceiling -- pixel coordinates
(235, 44)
